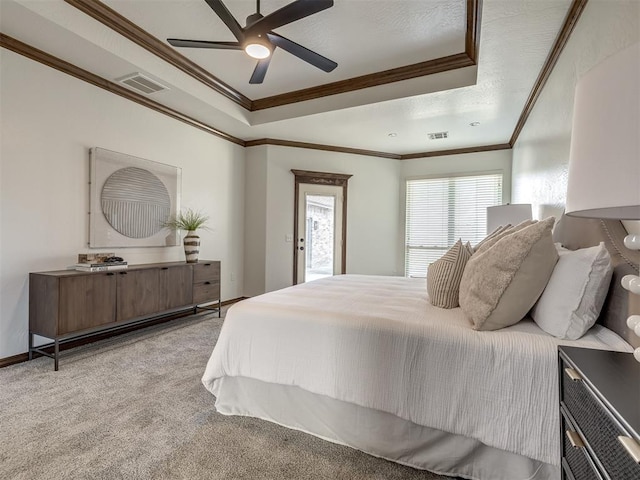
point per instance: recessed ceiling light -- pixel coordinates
(392, 134)
(474, 124)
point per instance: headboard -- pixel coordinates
(576, 233)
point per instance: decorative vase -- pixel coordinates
(191, 246)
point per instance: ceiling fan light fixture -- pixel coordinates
(258, 39)
(257, 48)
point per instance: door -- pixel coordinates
(319, 227)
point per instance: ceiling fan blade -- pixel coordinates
(228, 19)
(287, 14)
(315, 59)
(260, 71)
(178, 42)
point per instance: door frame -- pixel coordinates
(319, 178)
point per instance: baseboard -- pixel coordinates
(19, 358)
(23, 357)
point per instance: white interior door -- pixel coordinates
(319, 242)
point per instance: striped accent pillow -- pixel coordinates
(444, 275)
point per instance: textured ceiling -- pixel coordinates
(363, 36)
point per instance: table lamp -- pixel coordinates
(507, 214)
(604, 162)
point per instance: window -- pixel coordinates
(439, 211)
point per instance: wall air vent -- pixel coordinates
(438, 135)
(141, 83)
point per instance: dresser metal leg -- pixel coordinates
(30, 346)
(56, 351)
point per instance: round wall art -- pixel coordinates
(135, 202)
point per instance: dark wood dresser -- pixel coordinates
(67, 304)
(600, 414)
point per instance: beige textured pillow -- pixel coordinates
(501, 283)
(444, 275)
(497, 231)
(488, 242)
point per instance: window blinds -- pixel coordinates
(439, 211)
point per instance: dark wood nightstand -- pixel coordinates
(600, 414)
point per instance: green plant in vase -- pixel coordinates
(190, 221)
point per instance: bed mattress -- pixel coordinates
(377, 343)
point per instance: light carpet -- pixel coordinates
(133, 407)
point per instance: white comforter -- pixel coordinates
(377, 342)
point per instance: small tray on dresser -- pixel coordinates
(600, 414)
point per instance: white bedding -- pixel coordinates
(377, 342)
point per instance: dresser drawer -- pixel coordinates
(576, 461)
(207, 271)
(206, 292)
(600, 430)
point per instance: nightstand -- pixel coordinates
(599, 414)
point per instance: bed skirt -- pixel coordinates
(375, 432)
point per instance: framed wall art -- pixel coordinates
(130, 199)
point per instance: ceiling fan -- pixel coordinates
(257, 38)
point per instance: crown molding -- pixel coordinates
(456, 151)
(33, 53)
(430, 67)
(375, 153)
(319, 146)
(472, 45)
(570, 21)
(110, 18)
(472, 37)
(49, 60)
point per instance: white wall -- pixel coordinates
(541, 153)
(255, 220)
(372, 211)
(49, 120)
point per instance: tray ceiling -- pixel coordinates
(363, 36)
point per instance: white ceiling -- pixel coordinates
(362, 36)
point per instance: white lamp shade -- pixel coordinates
(505, 214)
(604, 163)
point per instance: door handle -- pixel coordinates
(572, 374)
(574, 439)
(631, 446)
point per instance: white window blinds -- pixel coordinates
(439, 211)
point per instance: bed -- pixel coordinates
(368, 362)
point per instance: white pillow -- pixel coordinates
(573, 298)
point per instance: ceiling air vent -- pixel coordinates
(143, 84)
(438, 135)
